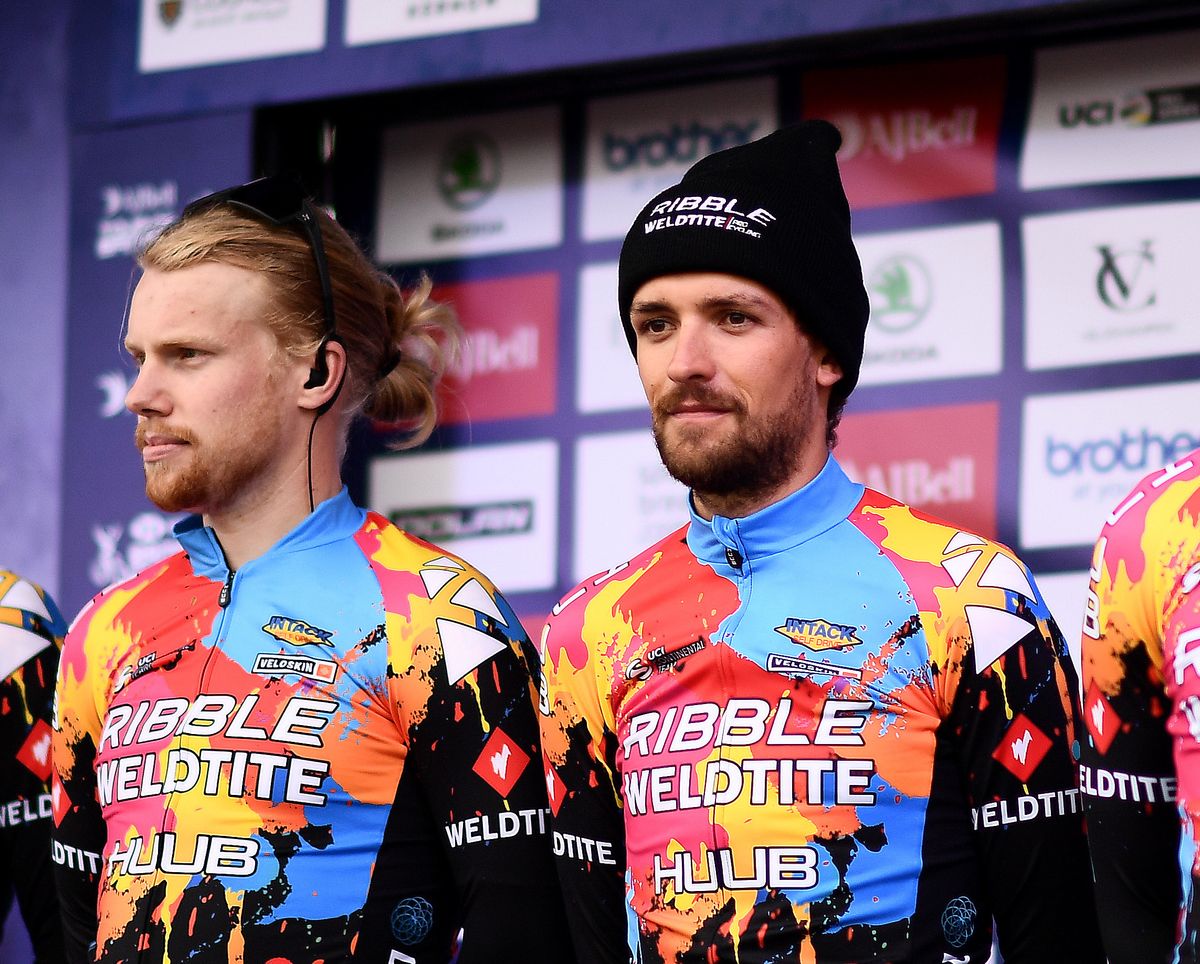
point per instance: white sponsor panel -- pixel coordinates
(1065, 594)
(1112, 284)
(641, 144)
(470, 186)
(125, 549)
(936, 303)
(1082, 452)
(494, 505)
(1122, 110)
(380, 21)
(607, 378)
(624, 500)
(193, 33)
(131, 214)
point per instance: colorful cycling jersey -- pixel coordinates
(835, 730)
(1141, 709)
(31, 632)
(323, 757)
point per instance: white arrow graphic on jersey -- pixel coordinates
(958, 566)
(474, 596)
(994, 632)
(1003, 573)
(465, 647)
(17, 647)
(22, 595)
(500, 761)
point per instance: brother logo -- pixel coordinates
(1138, 451)
(679, 144)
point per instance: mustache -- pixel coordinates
(697, 394)
(144, 430)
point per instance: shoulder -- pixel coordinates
(29, 622)
(1167, 499)
(166, 576)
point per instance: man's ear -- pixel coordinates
(331, 362)
(829, 369)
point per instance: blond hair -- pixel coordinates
(397, 347)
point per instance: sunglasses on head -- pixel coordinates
(282, 202)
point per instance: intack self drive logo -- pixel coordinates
(1125, 279)
(469, 170)
(901, 291)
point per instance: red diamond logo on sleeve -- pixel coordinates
(35, 751)
(556, 790)
(501, 763)
(59, 802)
(1022, 748)
(1100, 718)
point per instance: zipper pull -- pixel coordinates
(226, 591)
(733, 557)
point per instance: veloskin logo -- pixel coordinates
(297, 632)
(678, 144)
(1162, 105)
(279, 664)
(901, 293)
(441, 523)
(1125, 279)
(469, 170)
(1136, 451)
(819, 634)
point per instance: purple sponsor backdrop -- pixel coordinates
(124, 181)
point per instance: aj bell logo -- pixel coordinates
(901, 293)
(678, 144)
(901, 133)
(469, 170)
(1125, 280)
(1164, 105)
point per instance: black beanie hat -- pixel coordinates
(772, 211)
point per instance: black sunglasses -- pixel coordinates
(281, 201)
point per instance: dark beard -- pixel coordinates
(752, 461)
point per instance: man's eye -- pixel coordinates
(654, 326)
(189, 353)
(736, 318)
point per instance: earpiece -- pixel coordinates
(318, 375)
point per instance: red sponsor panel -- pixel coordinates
(1022, 748)
(913, 132)
(556, 790)
(508, 367)
(941, 459)
(501, 762)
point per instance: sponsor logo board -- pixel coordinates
(495, 505)
(1082, 452)
(1111, 285)
(1124, 110)
(508, 367)
(923, 285)
(912, 132)
(130, 214)
(622, 472)
(380, 21)
(642, 144)
(940, 459)
(192, 33)
(122, 549)
(607, 375)
(470, 186)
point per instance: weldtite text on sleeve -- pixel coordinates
(325, 756)
(31, 633)
(1139, 752)
(836, 730)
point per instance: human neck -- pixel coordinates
(255, 522)
(743, 502)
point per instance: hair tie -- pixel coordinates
(390, 364)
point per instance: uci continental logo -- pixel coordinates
(819, 634)
(297, 632)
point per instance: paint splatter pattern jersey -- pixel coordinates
(836, 730)
(31, 632)
(326, 756)
(1140, 752)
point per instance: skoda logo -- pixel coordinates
(169, 11)
(901, 293)
(469, 171)
(1125, 281)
